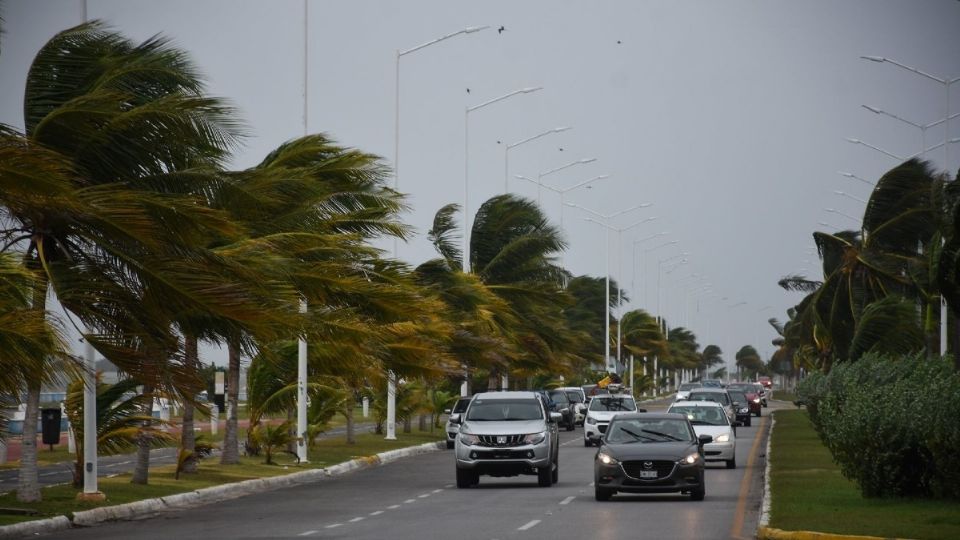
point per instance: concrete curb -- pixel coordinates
(192, 499)
(765, 496)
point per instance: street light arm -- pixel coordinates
(877, 148)
(651, 237)
(568, 165)
(855, 177)
(537, 136)
(468, 30)
(895, 117)
(922, 73)
(934, 147)
(522, 177)
(661, 246)
(503, 97)
(581, 184)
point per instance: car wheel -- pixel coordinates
(602, 494)
(449, 445)
(555, 475)
(748, 421)
(587, 443)
(758, 413)
(467, 478)
(545, 476)
(732, 463)
(571, 426)
(700, 492)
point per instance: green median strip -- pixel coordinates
(808, 493)
(61, 500)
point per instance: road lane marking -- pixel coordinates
(377, 513)
(570, 442)
(590, 484)
(393, 507)
(436, 491)
(333, 525)
(737, 530)
(528, 525)
(448, 486)
(408, 501)
(424, 496)
(49, 474)
(308, 533)
(356, 519)
(568, 499)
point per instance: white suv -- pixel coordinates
(459, 408)
(601, 410)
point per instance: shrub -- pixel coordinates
(891, 423)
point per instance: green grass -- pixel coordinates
(784, 395)
(809, 493)
(61, 500)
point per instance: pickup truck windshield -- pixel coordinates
(499, 410)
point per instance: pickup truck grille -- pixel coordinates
(501, 441)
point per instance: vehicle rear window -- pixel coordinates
(605, 403)
(574, 397)
(715, 397)
(559, 397)
(497, 410)
(689, 386)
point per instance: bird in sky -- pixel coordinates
(468, 90)
(500, 30)
(619, 42)
(561, 149)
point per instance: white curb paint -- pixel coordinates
(32, 528)
(765, 497)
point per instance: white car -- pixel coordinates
(710, 418)
(601, 410)
(452, 429)
(684, 391)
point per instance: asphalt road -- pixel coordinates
(415, 498)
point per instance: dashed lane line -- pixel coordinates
(568, 499)
(408, 501)
(393, 507)
(333, 525)
(307, 533)
(377, 513)
(437, 491)
(528, 525)
(424, 496)
(356, 519)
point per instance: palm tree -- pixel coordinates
(748, 361)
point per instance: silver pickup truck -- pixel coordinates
(507, 434)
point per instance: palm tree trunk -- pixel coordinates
(230, 454)
(406, 424)
(188, 438)
(422, 422)
(351, 436)
(141, 469)
(28, 487)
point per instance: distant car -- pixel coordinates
(579, 400)
(650, 453)
(751, 389)
(685, 389)
(458, 408)
(507, 434)
(717, 395)
(712, 383)
(601, 410)
(743, 406)
(767, 382)
(709, 418)
(565, 407)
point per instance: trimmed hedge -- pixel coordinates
(891, 424)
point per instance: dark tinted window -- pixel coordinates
(648, 431)
(495, 410)
(574, 396)
(560, 397)
(461, 405)
(606, 403)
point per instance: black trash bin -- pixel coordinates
(50, 425)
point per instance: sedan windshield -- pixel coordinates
(716, 397)
(497, 410)
(604, 403)
(702, 416)
(648, 431)
(688, 386)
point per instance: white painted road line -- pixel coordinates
(393, 507)
(590, 484)
(356, 519)
(334, 526)
(408, 501)
(377, 513)
(567, 500)
(448, 486)
(529, 525)
(424, 496)
(437, 491)
(308, 533)
(570, 442)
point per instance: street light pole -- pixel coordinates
(558, 169)
(506, 153)
(466, 166)
(633, 262)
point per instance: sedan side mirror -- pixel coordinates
(555, 417)
(455, 418)
(704, 439)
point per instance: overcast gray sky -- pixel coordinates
(728, 116)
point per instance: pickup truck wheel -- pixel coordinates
(587, 443)
(602, 494)
(555, 475)
(466, 478)
(449, 445)
(545, 476)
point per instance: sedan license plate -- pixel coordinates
(648, 474)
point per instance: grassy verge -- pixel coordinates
(784, 395)
(809, 493)
(60, 500)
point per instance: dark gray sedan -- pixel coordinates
(650, 453)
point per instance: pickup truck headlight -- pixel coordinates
(591, 420)
(469, 439)
(535, 438)
(607, 459)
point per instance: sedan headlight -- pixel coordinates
(469, 439)
(607, 459)
(591, 420)
(535, 438)
(722, 438)
(744, 410)
(691, 459)
(756, 400)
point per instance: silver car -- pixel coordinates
(451, 429)
(507, 434)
